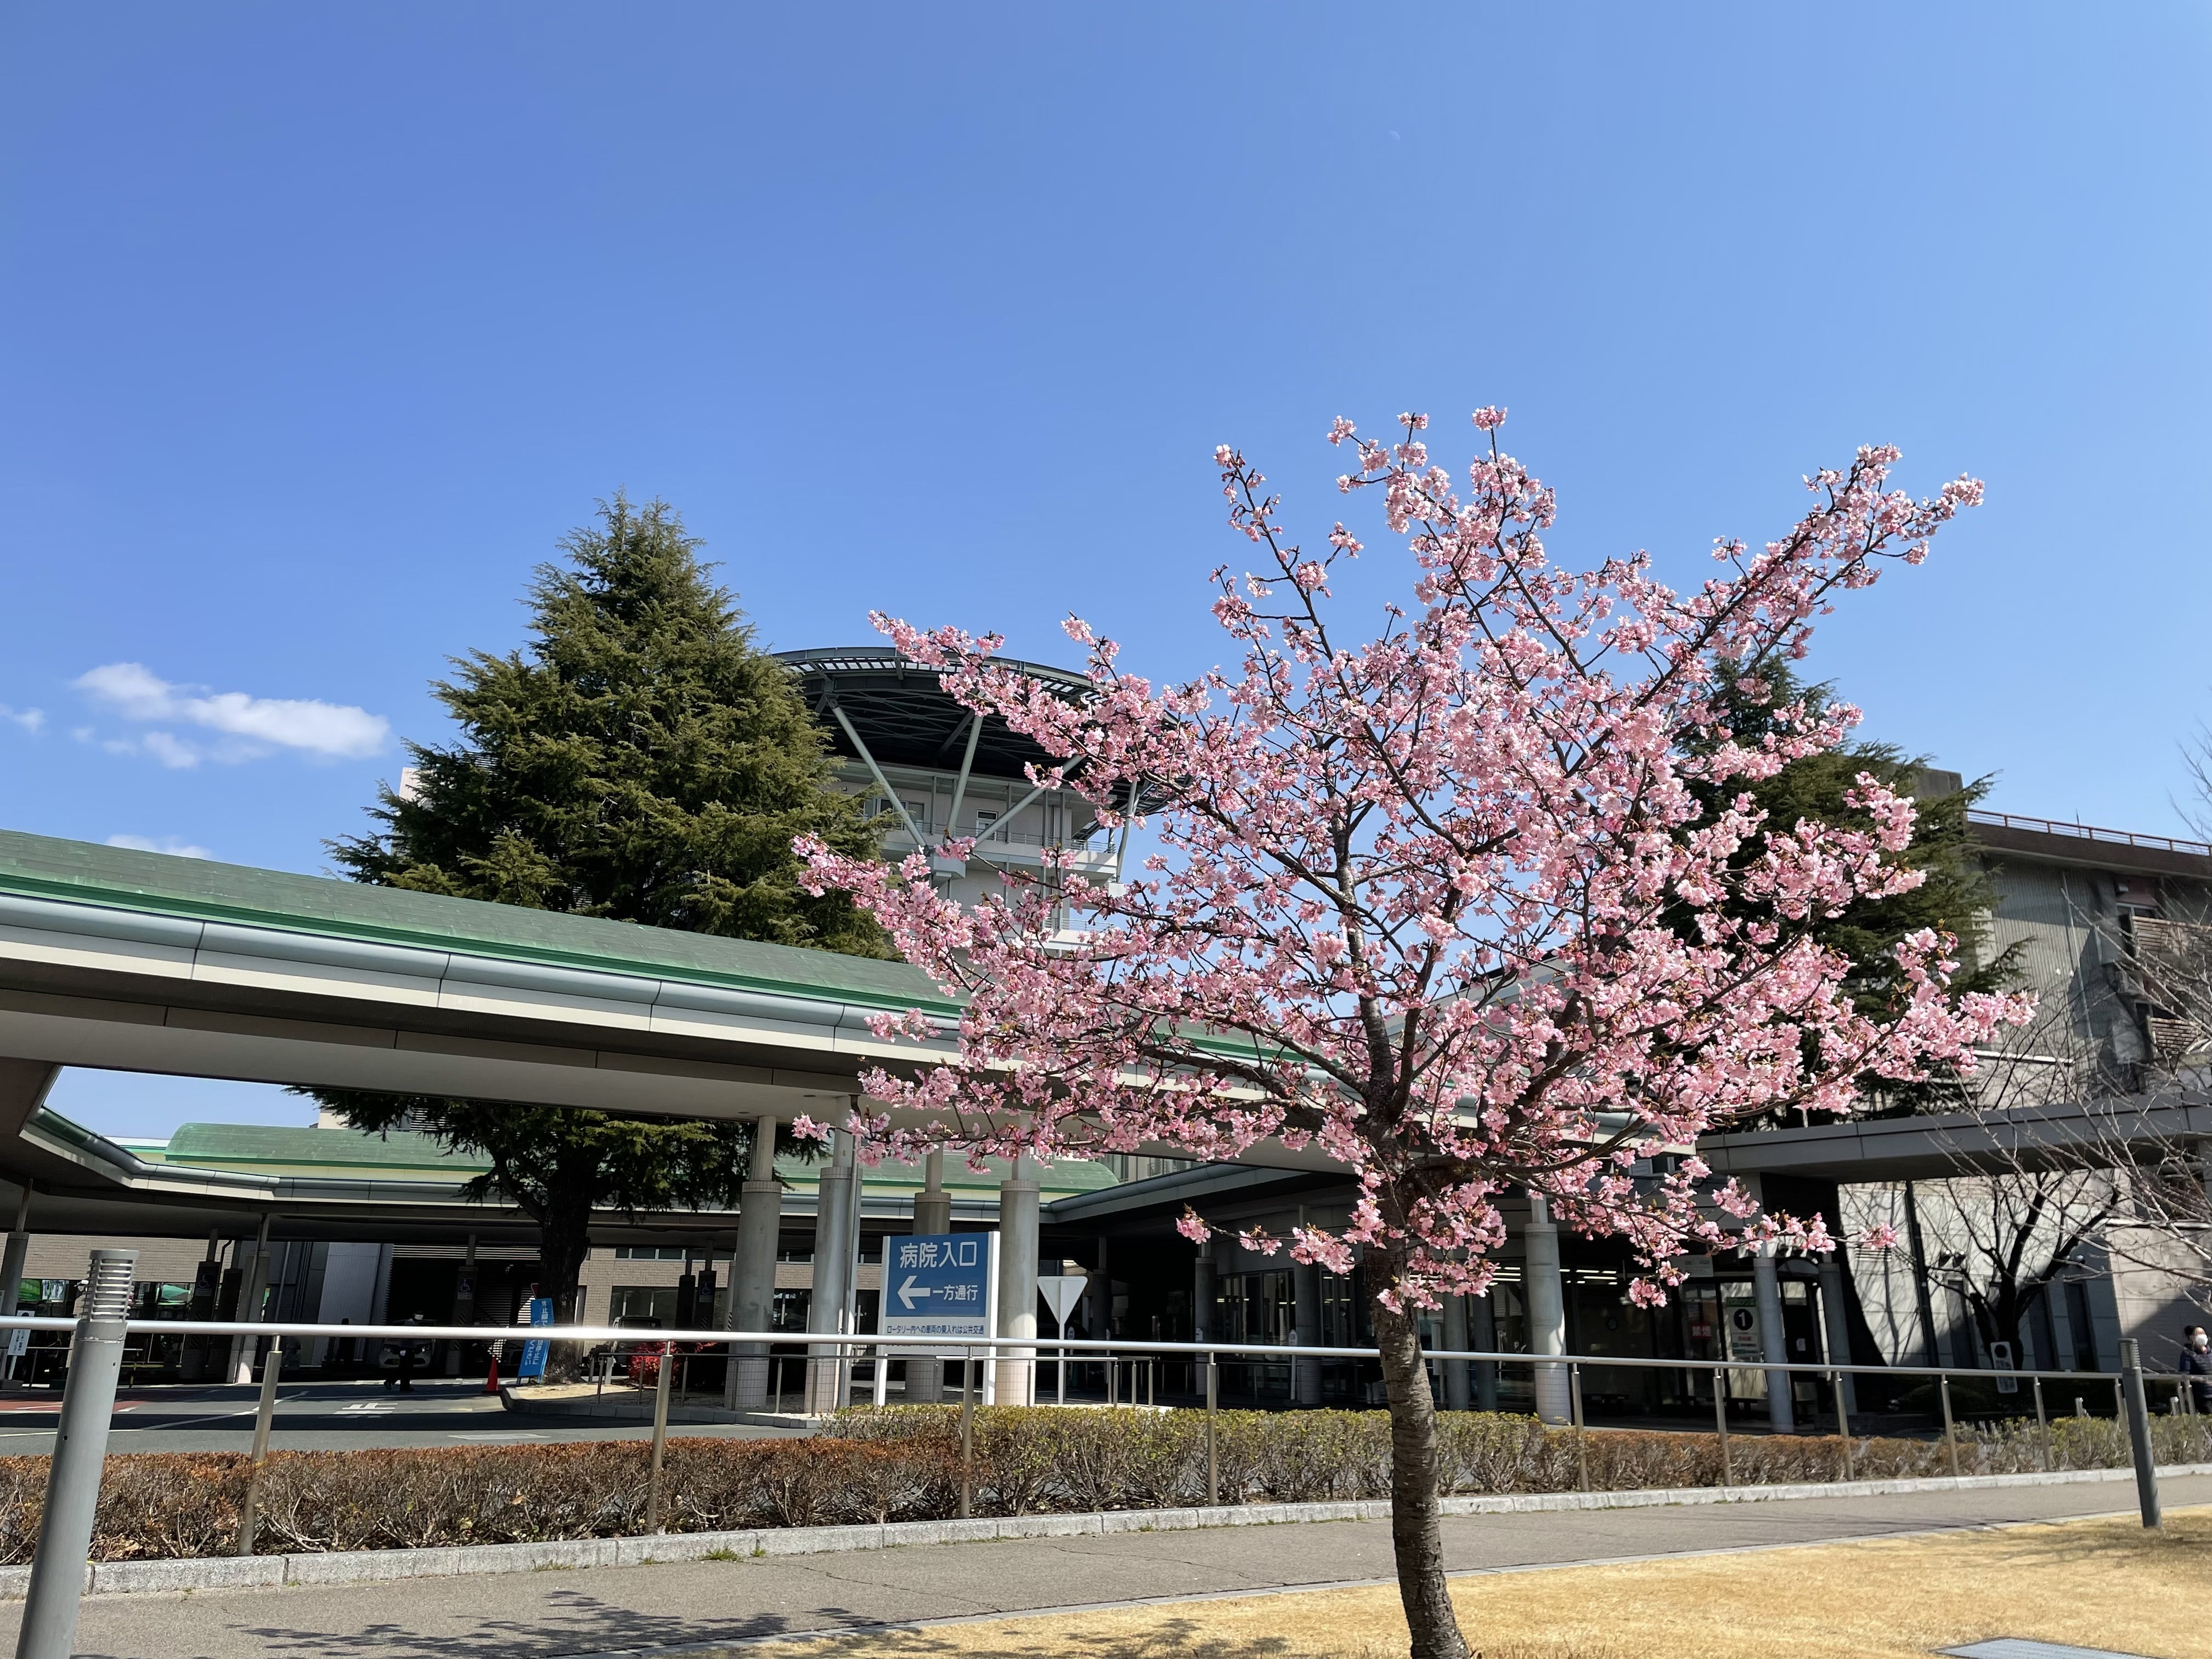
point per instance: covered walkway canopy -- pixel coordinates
(141, 962)
(124, 960)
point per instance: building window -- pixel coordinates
(640, 1303)
(649, 1253)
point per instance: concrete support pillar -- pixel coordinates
(752, 1272)
(1016, 1382)
(203, 1353)
(932, 1215)
(1836, 1324)
(253, 1285)
(1482, 1337)
(832, 1256)
(1766, 1284)
(11, 1268)
(1102, 1292)
(1547, 1295)
(705, 1291)
(1455, 1336)
(687, 1297)
(855, 1203)
(1305, 1309)
(465, 1304)
(18, 1251)
(1204, 1294)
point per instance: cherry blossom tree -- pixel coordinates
(1444, 904)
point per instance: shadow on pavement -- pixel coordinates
(575, 1627)
(580, 1626)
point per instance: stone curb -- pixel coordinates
(378, 1566)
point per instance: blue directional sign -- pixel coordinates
(943, 1285)
(533, 1350)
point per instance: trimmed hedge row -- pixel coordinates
(903, 1463)
(158, 1505)
(1040, 1458)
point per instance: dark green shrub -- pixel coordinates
(903, 1463)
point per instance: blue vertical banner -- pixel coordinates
(533, 1350)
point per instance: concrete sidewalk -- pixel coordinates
(644, 1610)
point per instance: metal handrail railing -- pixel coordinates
(57, 1575)
(1040, 1346)
(2085, 832)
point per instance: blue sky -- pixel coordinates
(320, 326)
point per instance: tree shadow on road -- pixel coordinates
(572, 1626)
(576, 1625)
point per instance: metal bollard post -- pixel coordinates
(967, 1436)
(1213, 1408)
(2138, 1411)
(1843, 1420)
(1720, 1417)
(659, 1436)
(1950, 1429)
(1582, 1451)
(2043, 1428)
(249, 1514)
(50, 1610)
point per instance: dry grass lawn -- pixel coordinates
(2093, 1584)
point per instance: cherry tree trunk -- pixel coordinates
(1416, 1532)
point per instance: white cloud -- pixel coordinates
(169, 844)
(166, 747)
(30, 719)
(336, 731)
(172, 752)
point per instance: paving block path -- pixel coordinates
(639, 1611)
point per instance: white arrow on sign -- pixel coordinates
(908, 1292)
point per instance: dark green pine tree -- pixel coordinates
(642, 759)
(1954, 898)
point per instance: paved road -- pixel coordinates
(644, 1610)
(319, 1417)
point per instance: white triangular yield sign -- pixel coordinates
(1061, 1291)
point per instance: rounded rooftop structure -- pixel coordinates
(906, 719)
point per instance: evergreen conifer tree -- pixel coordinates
(642, 759)
(1954, 898)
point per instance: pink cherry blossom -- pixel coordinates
(1445, 904)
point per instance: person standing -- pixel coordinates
(2197, 1365)
(405, 1350)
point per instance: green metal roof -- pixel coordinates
(43, 866)
(258, 1147)
(400, 1155)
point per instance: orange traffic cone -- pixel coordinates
(491, 1383)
